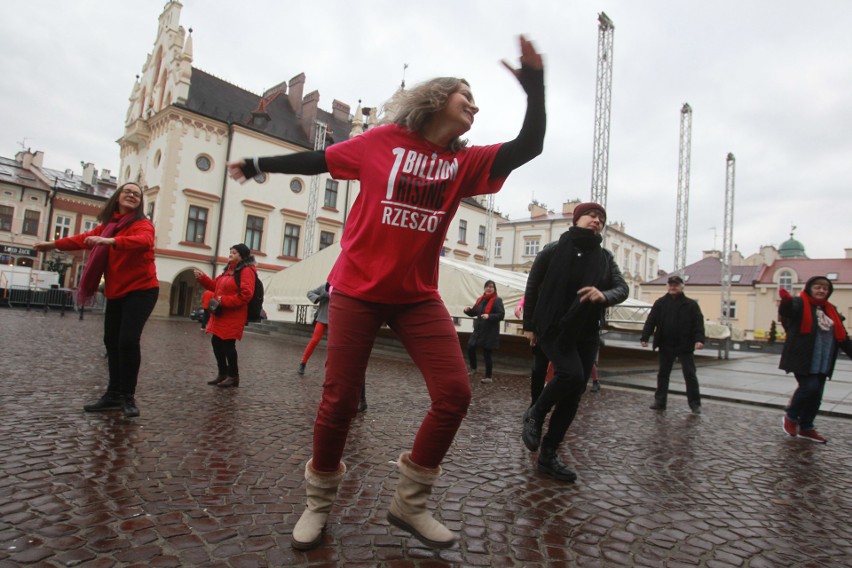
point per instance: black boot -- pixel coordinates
(301, 369)
(532, 430)
(219, 378)
(130, 409)
(362, 406)
(550, 464)
(109, 401)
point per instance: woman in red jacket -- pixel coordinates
(123, 255)
(228, 319)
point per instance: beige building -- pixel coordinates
(755, 283)
(183, 125)
(518, 242)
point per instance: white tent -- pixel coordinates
(459, 283)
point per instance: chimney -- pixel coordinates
(568, 207)
(848, 252)
(340, 111)
(29, 159)
(297, 87)
(310, 104)
(90, 174)
(536, 210)
(105, 174)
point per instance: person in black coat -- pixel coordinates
(678, 328)
(487, 312)
(569, 287)
(815, 333)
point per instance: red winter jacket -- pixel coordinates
(131, 259)
(232, 315)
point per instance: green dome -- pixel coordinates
(791, 248)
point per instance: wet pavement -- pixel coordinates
(214, 477)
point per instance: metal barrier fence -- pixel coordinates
(61, 299)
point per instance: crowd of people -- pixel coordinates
(571, 283)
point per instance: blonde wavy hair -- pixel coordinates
(413, 109)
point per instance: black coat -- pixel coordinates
(675, 322)
(798, 351)
(551, 303)
(486, 332)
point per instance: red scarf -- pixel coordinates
(807, 318)
(486, 298)
(97, 263)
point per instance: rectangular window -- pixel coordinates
(729, 312)
(498, 248)
(6, 214)
(196, 225)
(481, 241)
(326, 239)
(291, 240)
(330, 194)
(149, 211)
(88, 225)
(62, 227)
(531, 247)
(462, 231)
(254, 232)
(31, 219)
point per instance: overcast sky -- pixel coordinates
(767, 80)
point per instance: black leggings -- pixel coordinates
(486, 354)
(225, 351)
(124, 319)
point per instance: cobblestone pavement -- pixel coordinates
(213, 477)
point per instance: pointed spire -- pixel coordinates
(187, 46)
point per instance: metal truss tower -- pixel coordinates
(603, 106)
(320, 131)
(682, 222)
(727, 243)
(489, 228)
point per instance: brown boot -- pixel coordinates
(219, 378)
(321, 488)
(408, 508)
(230, 382)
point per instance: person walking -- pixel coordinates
(487, 313)
(815, 334)
(122, 253)
(413, 172)
(205, 306)
(229, 311)
(318, 296)
(677, 325)
(571, 283)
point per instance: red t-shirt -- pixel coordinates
(410, 191)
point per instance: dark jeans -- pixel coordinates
(124, 319)
(572, 366)
(687, 363)
(806, 400)
(225, 351)
(538, 373)
(486, 355)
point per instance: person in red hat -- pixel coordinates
(570, 285)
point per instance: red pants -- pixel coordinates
(428, 334)
(319, 331)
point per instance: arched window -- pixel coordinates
(785, 280)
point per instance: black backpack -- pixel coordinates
(255, 305)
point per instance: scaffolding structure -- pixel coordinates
(603, 107)
(727, 245)
(682, 221)
(320, 131)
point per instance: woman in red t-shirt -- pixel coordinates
(123, 255)
(413, 174)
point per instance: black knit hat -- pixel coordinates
(584, 208)
(244, 251)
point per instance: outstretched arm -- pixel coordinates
(530, 140)
(305, 163)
